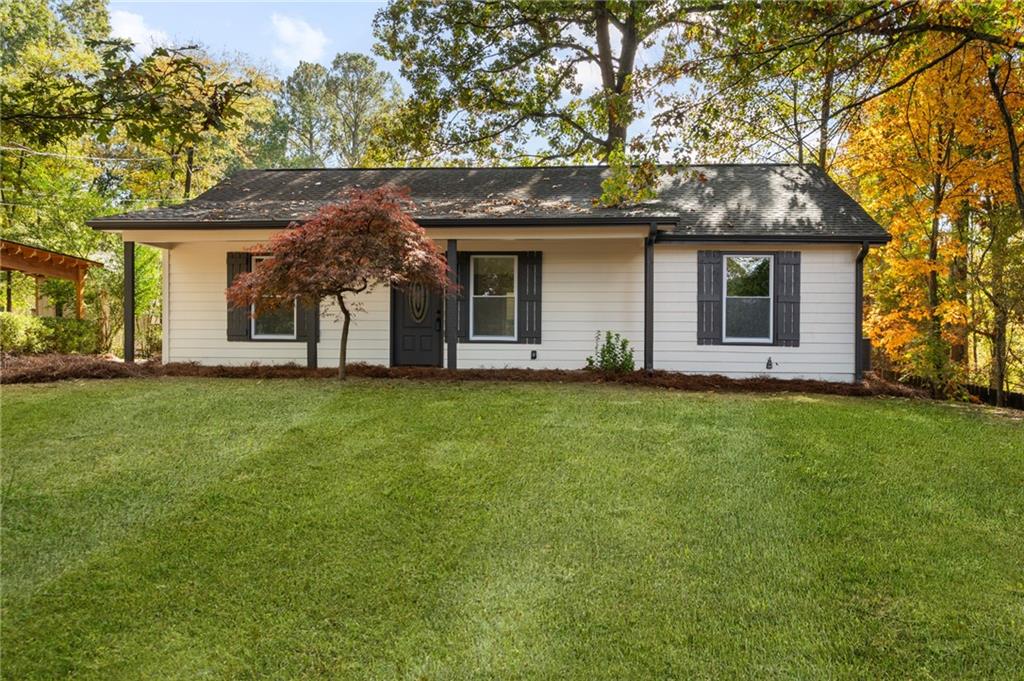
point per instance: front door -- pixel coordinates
(416, 327)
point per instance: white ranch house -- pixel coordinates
(740, 270)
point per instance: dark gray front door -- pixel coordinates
(416, 327)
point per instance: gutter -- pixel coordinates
(764, 238)
(468, 223)
(860, 352)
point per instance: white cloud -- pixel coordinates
(296, 41)
(133, 27)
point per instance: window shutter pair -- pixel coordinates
(786, 300)
(239, 326)
(528, 296)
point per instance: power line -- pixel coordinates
(107, 159)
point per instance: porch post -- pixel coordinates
(80, 293)
(311, 339)
(10, 307)
(129, 301)
(451, 309)
(649, 299)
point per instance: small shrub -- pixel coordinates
(22, 334)
(614, 355)
(71, 336)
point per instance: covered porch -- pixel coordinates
(42, 263)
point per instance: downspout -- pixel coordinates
(451, 307)
(649, 297)
(129, 301)
(858, 325)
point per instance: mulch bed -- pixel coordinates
(48, 368)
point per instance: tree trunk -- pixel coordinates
(935, 323)
(343, 354)
(826, 110)
(999, 355)
(958, 287)
(796, 125)
(189, 156)
(1011, 134)
(613, 81)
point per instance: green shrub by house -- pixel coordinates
(614, 355)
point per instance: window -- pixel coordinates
(492, 309)
(277, 323)
(748, 299)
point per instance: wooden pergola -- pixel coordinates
(43, 263)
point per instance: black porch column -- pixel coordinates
(451, 309)
(649, 299)
(311, 335)
(129, 301)
(858, 311)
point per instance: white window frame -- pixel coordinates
(515, 296)
(272, 336)
(725, 298)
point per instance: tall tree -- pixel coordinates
(311, 118)
(924, 159)
(489, 76)
(361, 94)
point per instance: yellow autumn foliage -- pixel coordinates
(919, 159)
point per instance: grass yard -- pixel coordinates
(187, 528)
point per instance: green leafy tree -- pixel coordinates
(487, 77)
(362, 93)
(307, 97)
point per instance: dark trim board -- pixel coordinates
(458, 223)
(858, 314)
(451, 306)
(129, 302)
(757, 239)
(488, 223)
(649, 297)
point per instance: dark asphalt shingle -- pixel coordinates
(729, 200)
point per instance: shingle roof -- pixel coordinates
(715, 201)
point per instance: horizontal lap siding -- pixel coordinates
(826, 317)
(197, 313)
(587, 286)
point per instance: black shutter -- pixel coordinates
(462, 279)
(709, 297)
(787, 298)
(238, 317)
(529, 297)
(307, 314)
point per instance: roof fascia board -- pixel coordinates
(766, 238)
(469, 223)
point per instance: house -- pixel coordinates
(741, 270)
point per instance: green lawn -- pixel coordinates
(179, 528)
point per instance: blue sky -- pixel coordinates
(275, 34)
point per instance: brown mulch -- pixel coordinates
(47, 368)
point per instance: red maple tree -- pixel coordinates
(350, 247)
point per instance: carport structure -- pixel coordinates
(43, 263)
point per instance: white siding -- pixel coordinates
(197, 313)
(587, 287)
(827, 285)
